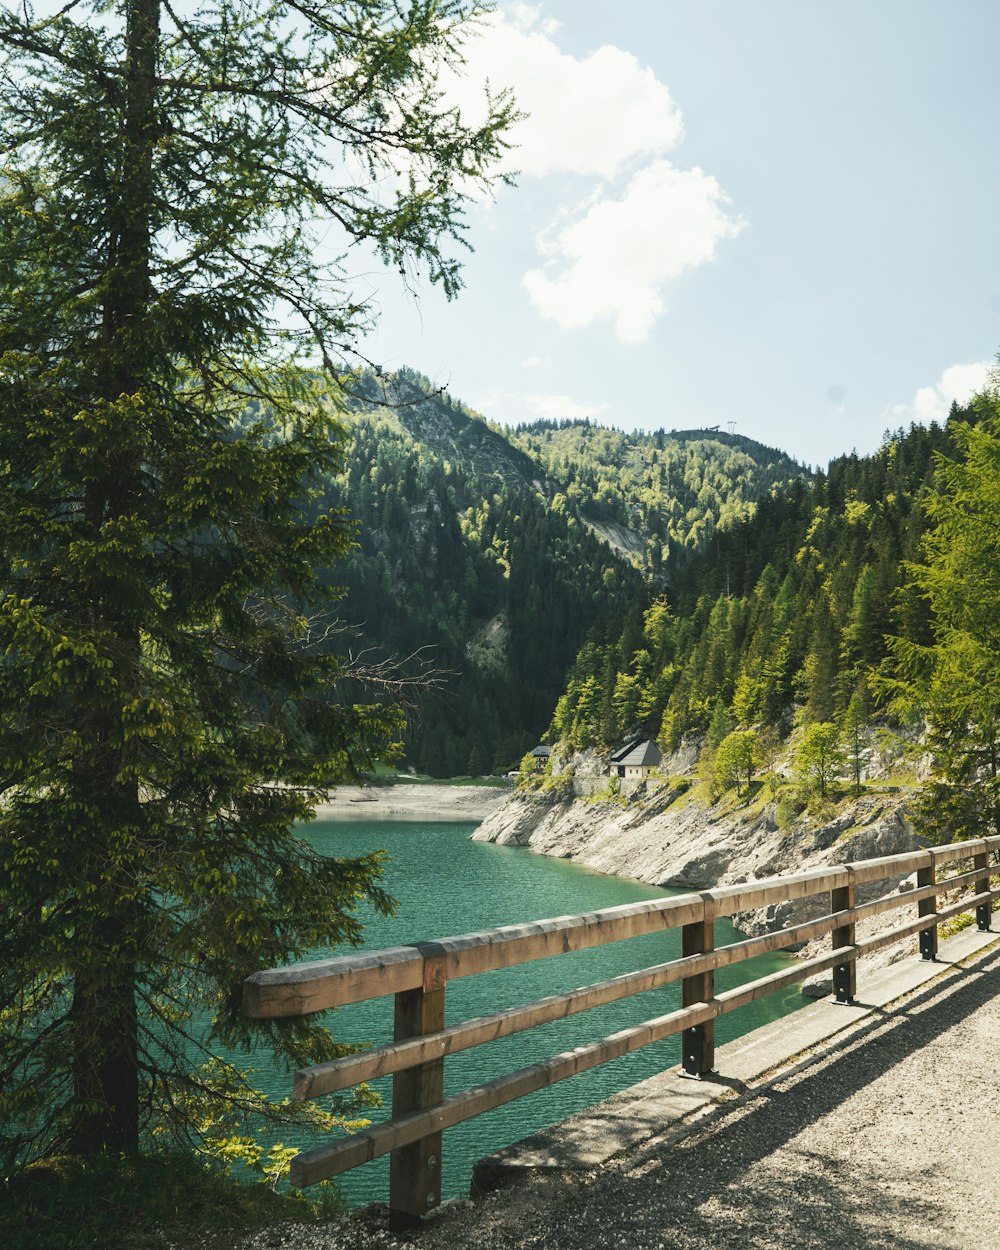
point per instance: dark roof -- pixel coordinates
(619, 753)
(643, 752)
(542, 752)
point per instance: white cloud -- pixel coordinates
(528, 15)
(561, 408)
(510, 408)
(958, 382)
(635, 221)
(584, 116)
(614, 260)
(532, 362)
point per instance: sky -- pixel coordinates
(781, 216)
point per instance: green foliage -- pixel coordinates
(819, 757)
(529, 773)
(119, 1203)
(710, 785)
(853, 726)
(954, 678)
(720, 725)
(780, 618)
(546, 778)
(746, 699)
(219, 1111)
(736, 759)
(171, 702)
(670, 489)
(788, 808)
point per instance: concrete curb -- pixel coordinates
(666, 1104)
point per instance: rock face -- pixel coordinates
(670, 840)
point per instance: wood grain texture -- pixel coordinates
(317, 986)
(415, 1169)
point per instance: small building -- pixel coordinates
(636, 760)
(541, 753)
(619, 753)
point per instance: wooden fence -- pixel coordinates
(418, 976)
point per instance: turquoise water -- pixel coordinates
(447, 885)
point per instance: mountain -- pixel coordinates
(492, 554)
(658, 496)
(445, 428)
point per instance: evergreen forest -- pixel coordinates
(489, 555)
(791, 615)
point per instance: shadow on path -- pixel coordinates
(720, 1186)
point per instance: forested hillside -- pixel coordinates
(785, 614)
(493, 587)
(669, 490)
(487, 557)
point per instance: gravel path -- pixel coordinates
(888, 1141)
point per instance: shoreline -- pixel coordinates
(461, 804)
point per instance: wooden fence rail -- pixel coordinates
(418, 975)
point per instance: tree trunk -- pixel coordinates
(103, 1013)
(105, 1069)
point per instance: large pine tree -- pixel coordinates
(181, 192)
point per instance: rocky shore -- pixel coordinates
(413, 802)
(669, 839)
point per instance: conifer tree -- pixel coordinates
(720, 725)
(867, 624)
(167, 712)
(819, 672)
(745, 698)
(954, 681)
(853, 724)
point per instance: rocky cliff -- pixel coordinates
(669, 839)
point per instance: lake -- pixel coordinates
(448, 885)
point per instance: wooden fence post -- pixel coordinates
(984, 911)
(845, 975)
(698, 1043)
(928, 907)
(415, 1170)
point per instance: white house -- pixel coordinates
(636, 760)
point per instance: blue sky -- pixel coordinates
(783, 214)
